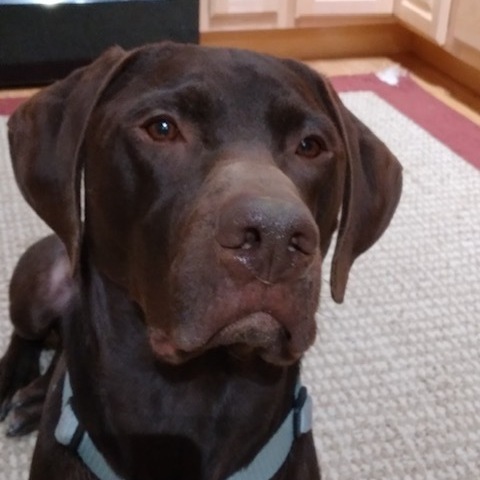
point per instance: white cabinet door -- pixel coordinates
(245, 14)
(343, 7)
(429, 17)
(464, 32)
(466, 24)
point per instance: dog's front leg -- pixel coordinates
(40, 292)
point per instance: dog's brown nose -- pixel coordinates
(267, 238)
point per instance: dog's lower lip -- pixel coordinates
(258, 329)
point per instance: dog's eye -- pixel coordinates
(310, 147)
(162, 130)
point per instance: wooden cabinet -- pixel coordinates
(466, 23)
(217, 15)
(429, 17)
(464, 31)
(343, 7)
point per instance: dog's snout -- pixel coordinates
(267, 238)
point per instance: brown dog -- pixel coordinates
(185, 279)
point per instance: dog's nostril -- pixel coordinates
(299, 243)
(294, 244)
(252, 239)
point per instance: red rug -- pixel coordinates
(8, 105)
(450, 127)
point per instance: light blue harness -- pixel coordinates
(268, 461)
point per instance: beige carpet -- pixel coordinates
(395, 372)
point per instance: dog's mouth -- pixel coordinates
(256, 334)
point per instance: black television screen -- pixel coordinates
(41, 41)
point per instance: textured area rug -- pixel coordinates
(395, 371)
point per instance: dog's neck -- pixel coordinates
(211, 415)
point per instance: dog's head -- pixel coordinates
(213, 183)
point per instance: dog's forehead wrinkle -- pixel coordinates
(294, 112)
(243, 81)
(190, 98)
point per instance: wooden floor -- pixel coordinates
(439, 85)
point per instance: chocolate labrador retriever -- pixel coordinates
(193, 193)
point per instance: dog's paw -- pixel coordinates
(26, 408)
(26, 422)
(18, 368)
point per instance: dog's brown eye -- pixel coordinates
(310, 147)
(163, 130)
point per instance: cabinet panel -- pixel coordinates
(464, 32)
(430, 17)
(232, 7)
(466, 25)
(245, 14)
(343, 7)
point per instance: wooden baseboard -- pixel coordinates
(445, 62)
(330, 41)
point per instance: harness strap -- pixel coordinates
(264, 466)
(273, 455)
(70, 433)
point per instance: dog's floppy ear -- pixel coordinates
(45, 136)
(372, 187)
